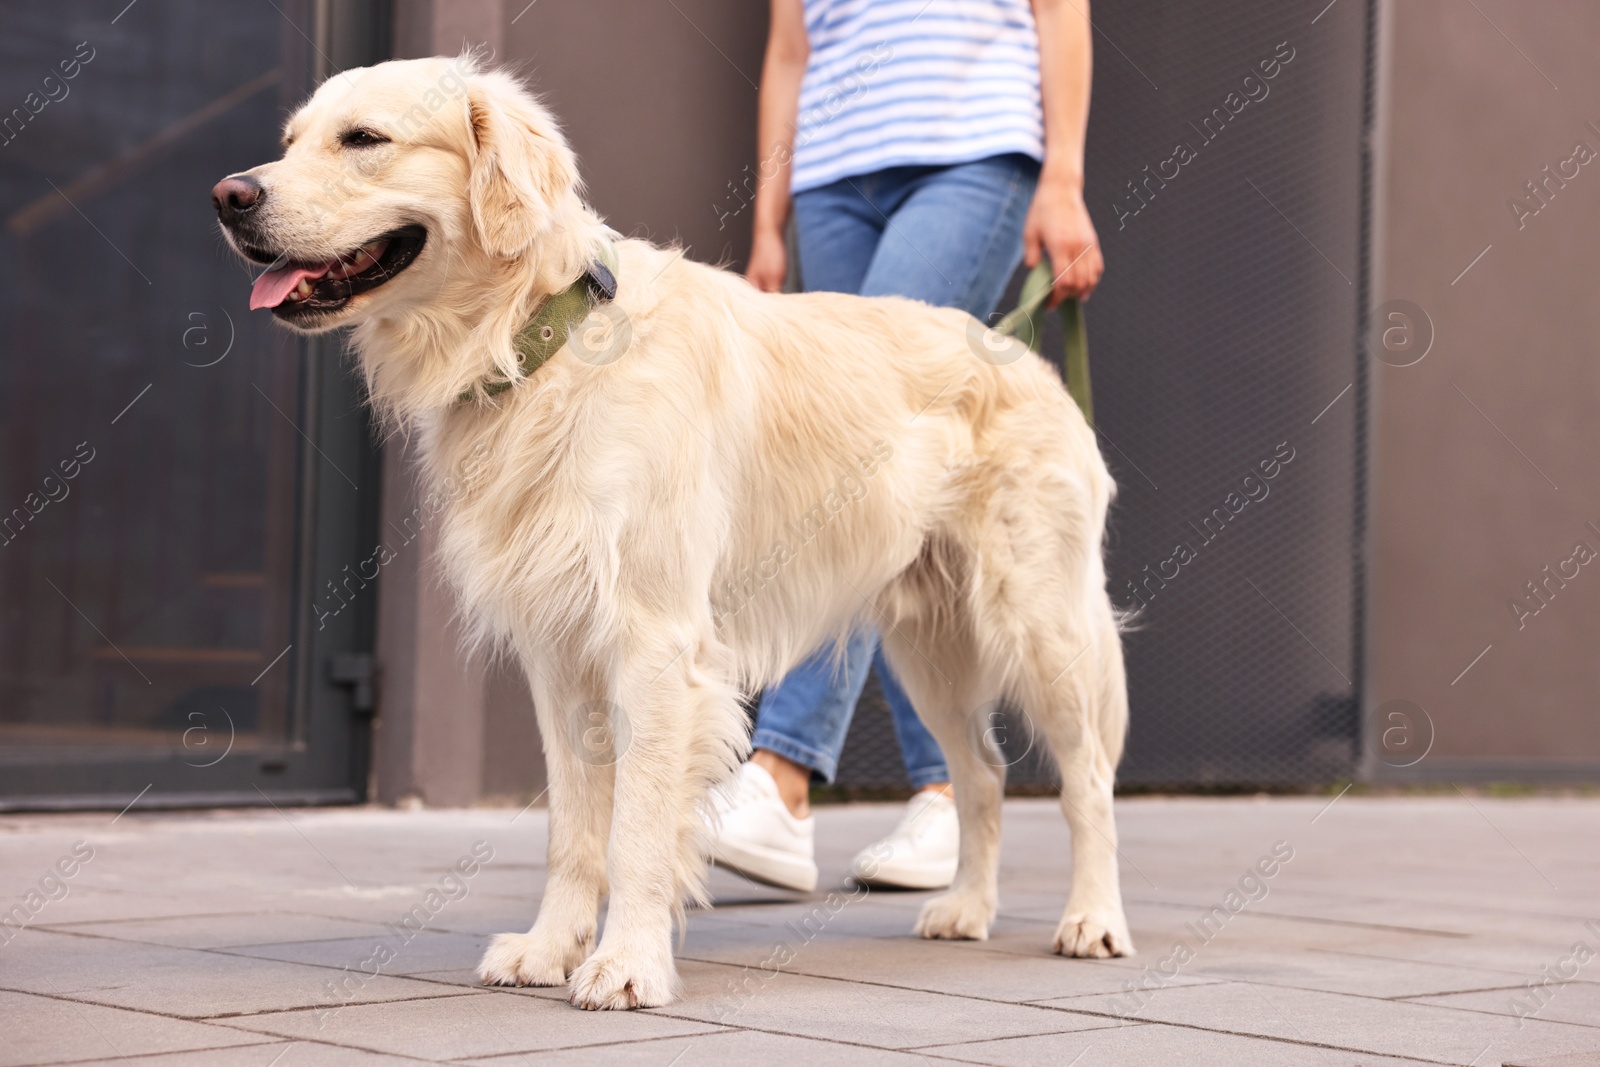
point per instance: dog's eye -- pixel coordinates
(361, 138)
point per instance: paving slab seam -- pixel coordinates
(1354, 996)
(136, 1056)
(1487, 989)
(1120, 969)
(218, 950)
(68, 998)
(1263, 1037)
(664, 1013)
(269, 1039)
(258, 959)
(1496, 1014)
(1271, 984)
(916, 989)
(276, 1039)
(994, 949)
(321, 1006)
(985, 946)
(1019, 1037)
(57, 926)
(693, 1035)
(1485, 909)
(1427, 963)
(325, 1006)
(1282, 917)
(848, 981)
(952, 1059)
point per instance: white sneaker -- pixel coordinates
(922, 851)
(758, 838)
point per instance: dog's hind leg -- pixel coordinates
(685, 730)
(578, 758)
(1081, 708)
(942, 675)
(1039, 609)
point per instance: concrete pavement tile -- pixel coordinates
(95, 904)
(1338, 973)
(478, 912)
(740, 1047)
(224, 931)
(945, 967)
(1416, 906)
(1574, 1059)
(1513, 960)
(271, 1053)
(732, 890)
(467, 978)
(425, 951)
(808, 920)
(1575, 1002)
(472, 1024)
(1031, 937)
(185, 982)
(1388, 1027)
(45, 1029)
(855, 1012)
(1274, 915)
(1154, 1044)
(1375, 902)
(732, 935)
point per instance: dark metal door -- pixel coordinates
(178, 477)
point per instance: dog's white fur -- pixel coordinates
(667, 531)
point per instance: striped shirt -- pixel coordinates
(915, 82)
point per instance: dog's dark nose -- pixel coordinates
(236, 197)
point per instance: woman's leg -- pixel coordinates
(945, 235)
(919, 752)
(805, 717)
(802, 721)
(955, 240)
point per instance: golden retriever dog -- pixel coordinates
(699, 486)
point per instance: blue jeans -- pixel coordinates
(944, 235)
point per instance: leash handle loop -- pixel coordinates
(1026, 323)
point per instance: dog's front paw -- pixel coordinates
(956, 917)
(532, 959)
(619, 981)
(1096, 933)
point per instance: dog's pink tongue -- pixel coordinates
(270, 289)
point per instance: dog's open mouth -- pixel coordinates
(296, 289)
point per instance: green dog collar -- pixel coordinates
(542, 336)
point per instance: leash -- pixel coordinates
(542, 336)
(1026, 323)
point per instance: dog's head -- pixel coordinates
(395, 180)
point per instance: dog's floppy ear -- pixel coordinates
(521, 166)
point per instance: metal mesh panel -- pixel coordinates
(1226, 325)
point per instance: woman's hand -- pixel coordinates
(1059, 224)
(769, 261)
(777, 106)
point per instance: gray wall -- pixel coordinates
(1484, 467)
(659, 99)
(1467, 505)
